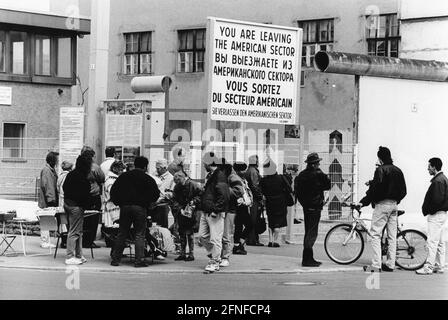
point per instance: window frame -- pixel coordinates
(138, 65)
(194, 51)
(22, 150)
(3, 52)
(307, 58)
(387, 39)
(39, 62)
(31, 75)
(27, 53)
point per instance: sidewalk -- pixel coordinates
(259, 260)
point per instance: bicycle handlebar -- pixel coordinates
(352, 206)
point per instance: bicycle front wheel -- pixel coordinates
(411, 250)
(344, 245)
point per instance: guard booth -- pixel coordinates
(136, 127)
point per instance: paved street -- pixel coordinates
(30, 284)
(265, 273)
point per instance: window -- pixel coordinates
(18, 52)
(383, 35)
(191, 51)
(317, 35)
(53, 56)
(2, 51)
(13, 140)
(42, 62)
(64, 57)
(138, 53)
(37, 57)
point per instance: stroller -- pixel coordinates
(153, 244)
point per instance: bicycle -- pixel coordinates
(344, 243)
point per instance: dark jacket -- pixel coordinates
(388, 184)
(134, 188)
(309, 187)
(216, 195)
(253, 178)
(236, 189)
(48, 194)
(436, 198)
(190, 192)
(96, 178)
(183, 194)
(274, 188)
(77, 190)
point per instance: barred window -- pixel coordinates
(191, 51)
(13, 140)
(138, 53)
(383, 35)
(317, 35)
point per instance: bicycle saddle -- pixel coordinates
(400, 212)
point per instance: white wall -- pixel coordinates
(26, 5)
(409, 117)
(424, 38)
(419, 9)
(57, 7)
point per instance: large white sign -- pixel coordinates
(71, 133)
(6, 96)
(254, 72)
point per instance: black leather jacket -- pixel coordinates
(388, 184)
(436, 198)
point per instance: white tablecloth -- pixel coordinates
(26, 210)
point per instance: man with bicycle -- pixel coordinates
(385, 192)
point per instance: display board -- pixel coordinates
(124, 128)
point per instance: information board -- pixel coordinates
(5, 96)
(124, 128)
(71, 133)
(254, 72)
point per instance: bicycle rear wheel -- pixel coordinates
(411, 250)
(335, 248)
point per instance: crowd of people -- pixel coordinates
(232, 201)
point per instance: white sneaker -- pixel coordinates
(73, 261)
(425, 270)
(47, 245)
(159, 257)
(212, 266)
(224, 263)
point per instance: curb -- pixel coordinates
(176, 271)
